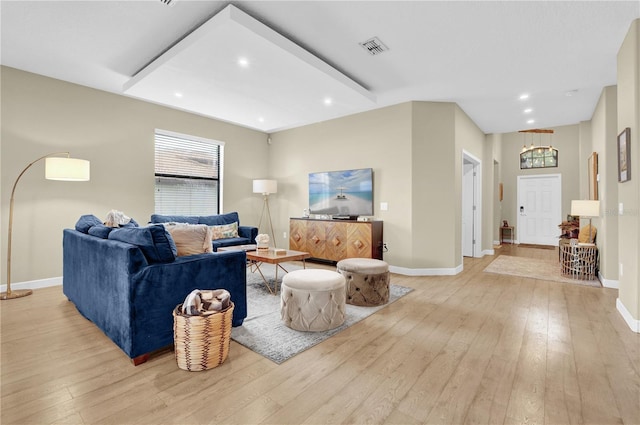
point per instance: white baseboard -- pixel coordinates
(426, 272)
(488, 252)
(634, 324)
(34, 284)
(608, 283)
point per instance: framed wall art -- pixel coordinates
(624, 155)
(593, 176)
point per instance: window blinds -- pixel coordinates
(187, 174)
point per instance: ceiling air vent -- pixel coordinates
(168, 2)
(374, 46)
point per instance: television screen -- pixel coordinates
(347, 193)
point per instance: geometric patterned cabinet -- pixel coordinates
(335, 240)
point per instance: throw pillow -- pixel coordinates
(224, 231)
(583, 236)
(190, 238)
(217, 220)
(100, 231)
(85, 222)
(154, 241)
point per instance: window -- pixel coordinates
(187, 174)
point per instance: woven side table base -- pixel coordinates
(367, 281)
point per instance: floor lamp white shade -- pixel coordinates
(266, 187)
(67, 169)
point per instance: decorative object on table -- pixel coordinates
(593, 176)
(570, 227)
(266, 187)
(202, 341)
(505, 223)
(262, 242)
(624, 155)
(264, 332)
(586, 208)
(540, 156)
(56, 168)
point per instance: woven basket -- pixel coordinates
(201, 342)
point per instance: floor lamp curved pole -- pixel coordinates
(56, 168)
(266, 187)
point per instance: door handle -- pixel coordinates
(522, 210)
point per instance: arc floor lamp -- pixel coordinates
(266, 187)
(56, 168)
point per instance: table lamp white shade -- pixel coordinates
(265, 186)
(67, 169)
(585, 208)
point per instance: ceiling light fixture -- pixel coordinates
(528, 111)
(328, 101)
(243, 62)
(178, 94)
(524, 96)
(539, 156)
(530, 121)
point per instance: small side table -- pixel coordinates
(510, 230)
(578, 261)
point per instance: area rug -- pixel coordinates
(533, 268)
(264, 332)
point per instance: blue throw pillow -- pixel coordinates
(86, 222)
(217, 220)
(100, 231)
(156, 243)
(159, 218)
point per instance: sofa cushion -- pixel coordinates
(217, 220)
(224, 231)
(159, 218)
(230, 242)
(190, 238)
(100, 231)
(154, 241)
(85, 222)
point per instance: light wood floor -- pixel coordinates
(471, 348)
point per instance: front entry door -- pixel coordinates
(539, 209)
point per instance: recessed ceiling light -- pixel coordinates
(531, 121)
(178, 94)
(571, 93)
(524, 96)
(261, 119)
(528, 111)
(243, 62)
(328, 101)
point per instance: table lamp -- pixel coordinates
(586, 208)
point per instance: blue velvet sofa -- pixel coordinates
(128, 281)
(246, 234)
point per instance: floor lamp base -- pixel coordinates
(15, 294)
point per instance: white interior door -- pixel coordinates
(468, 210)
(539, 209)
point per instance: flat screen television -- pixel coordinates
(341, 194)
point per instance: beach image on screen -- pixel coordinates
(343, 193)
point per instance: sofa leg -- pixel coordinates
(140, 359)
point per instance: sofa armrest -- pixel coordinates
(159, 288)
(248, 232)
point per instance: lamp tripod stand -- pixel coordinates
(68, 169)
(265, 206)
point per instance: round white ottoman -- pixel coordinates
(312, 300)
(367, 281)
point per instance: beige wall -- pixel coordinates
(41, 115)
(379, 139)
(629, 192)
(603, 134)
(566, 140)
(493, 150)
